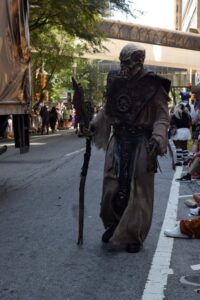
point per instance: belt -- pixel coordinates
(124, 130)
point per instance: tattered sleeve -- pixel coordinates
(102, 129)
(161, 124)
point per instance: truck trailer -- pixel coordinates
(15, 83)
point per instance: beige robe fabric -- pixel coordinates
(135, 222)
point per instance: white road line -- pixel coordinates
(37, 144)
(8, 145)
(45, 135)
(75, 152)
(158, 274)
(31, 144)
(185, 196)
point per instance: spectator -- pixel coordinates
(9, 129)
(65, 117)
(74, 120)
(181, 122)
(196, 125)
(44, 113)
(60, 117)
(185, 229)
(193, 113)
(194, 202)
(193, 169)
(3, 125)
(53, 117)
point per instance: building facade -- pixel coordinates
(187, 15)
(187, 19)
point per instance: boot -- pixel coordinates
(108, 233)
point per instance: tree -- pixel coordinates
(54, 29)
(91, 79)
(53, 50)
(77, 18)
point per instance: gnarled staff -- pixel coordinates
(171, 155)
(83, 118)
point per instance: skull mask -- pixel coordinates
(131, 60)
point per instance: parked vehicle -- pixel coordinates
(15, 87)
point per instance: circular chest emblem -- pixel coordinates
(123, 103)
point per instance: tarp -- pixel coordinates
(14, 52)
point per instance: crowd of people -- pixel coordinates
(46, 118)
(56, 117)
(51, 118)
(185, 133)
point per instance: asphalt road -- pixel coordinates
(39, 258)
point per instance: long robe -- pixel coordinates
(134, 224)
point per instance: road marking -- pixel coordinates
(34, 137)
(8, 145)
(158, 274)
(185, 196)
(184, 280)
(75, 152)
(31, 144)
(37, 144)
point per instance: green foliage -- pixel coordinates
(78, 18)
(55, 50)
(92, 80)
(57, 31)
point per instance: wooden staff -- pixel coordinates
(82, 189)
(81, 114)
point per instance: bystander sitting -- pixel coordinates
(193, 169)
(193, 202)
(185, 229)
(188, 228)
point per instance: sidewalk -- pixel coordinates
(185, 275)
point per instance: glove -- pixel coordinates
(153, 147)
(88, 132)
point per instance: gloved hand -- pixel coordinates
(153, 147)
(88, 132)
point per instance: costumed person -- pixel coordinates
(136, 112)
(181, 121)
